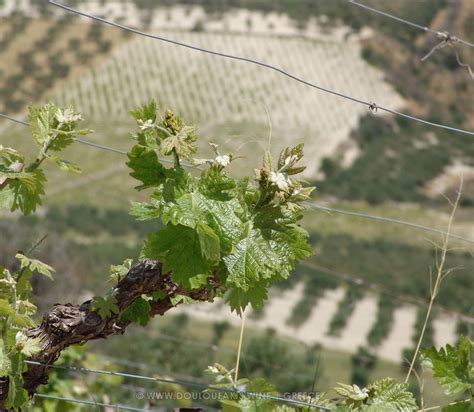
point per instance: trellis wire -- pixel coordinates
(211, 347)
(6, 116)
(85, 142)
(193, 342)
(309, 205)
(373, 107)
(96, 145)
(143, 367)
(92, 403)
(180, 382)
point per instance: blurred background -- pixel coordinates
(351, 313)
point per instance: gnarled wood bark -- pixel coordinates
(66, 324)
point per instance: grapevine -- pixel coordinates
(217, 236)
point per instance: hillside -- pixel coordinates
(360, 161)
(351, 161)
(228, 98)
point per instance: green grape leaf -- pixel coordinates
(187, 210)
(224, 220)
(7, 197)
(53, 128)
(179, 248)
(177, 299)
(273, 217)
(24, 194)
(147, 137)
(57, 145)
(105, 307)
(289, 157)
(118, 272)
(9, 339)
(18, 360)
(9, 156)
(209, 241)
(352, 392)
(5, 308)
(26, 177)
(252, 260)
(258, 404)
(21, 185)
(178, 183)
(287, 240)
(256, 295)
(138, 312)
(146, 167)
(180, 143)
(42, 120)
(165, 199)
(5, 363)
(17, 396)
(12, 179)
(62, 140)
(26, 307)
(6, 288)
(289, 246)
(387, 394)
(23, 286)
(260, 385)
(144, 211)
(35, 265)
(146, 112)
(21, 321)
(451, 366)
(216, 185)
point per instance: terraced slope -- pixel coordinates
(316, 328)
